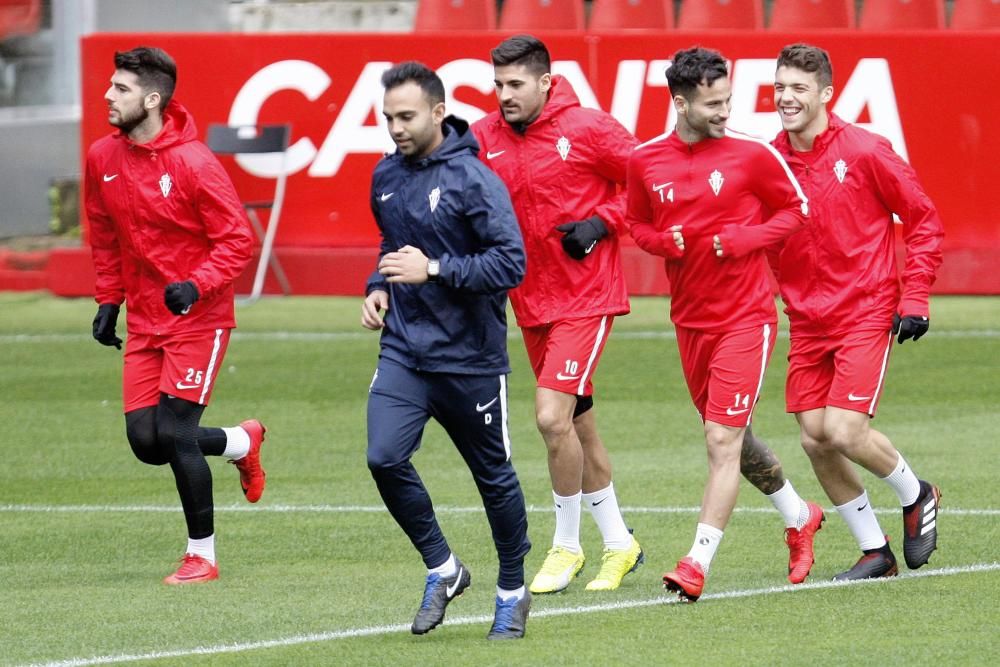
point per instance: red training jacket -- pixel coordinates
(841, 273)
(566, 167)
(163, 212)
(735, 187)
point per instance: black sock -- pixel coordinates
(211, 441)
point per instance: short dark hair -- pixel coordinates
(693, 67)
(808, 58)
(418, 73)
(524, 50)
(156, 70)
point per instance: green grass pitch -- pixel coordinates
(318, 573)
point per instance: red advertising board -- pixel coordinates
(930, 93)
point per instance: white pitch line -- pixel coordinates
(484, 619)
(513, 334)
(378, 509)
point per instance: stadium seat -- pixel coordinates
(975, 15)
(455, 15)
(247, 139)
(791, 15)
(631, 15)
(19, 17)
(902, 15)
(529, 15)
(721, 15)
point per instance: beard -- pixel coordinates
(127, 124)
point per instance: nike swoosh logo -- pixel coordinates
(560, 376)
(598, 502)
(862, 507)
(852, 397)
(657, 188)
(108, 179)
(490, 156)
(481, 408)
(386, 196)
(186, 386)
(733, 413)
(450, 590)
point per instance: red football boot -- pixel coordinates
(800, 544)
(252, 476)
(687, 579)
(193, 570)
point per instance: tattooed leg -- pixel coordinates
(759, 465)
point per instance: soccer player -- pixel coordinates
(709, 201)
(842, 295)
(563, 165)
(169, 236)
(450, 250)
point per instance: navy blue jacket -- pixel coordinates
(453, 208)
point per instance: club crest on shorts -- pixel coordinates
(165, 184)
(563, 147)
(840, 170)
(434, 197)
(716, 180)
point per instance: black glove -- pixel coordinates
(104, 325)
(580, 237)
(179, 297)
(909, 326)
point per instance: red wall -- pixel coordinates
(932, 93)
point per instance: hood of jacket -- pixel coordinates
(178, 128)
(457, 140)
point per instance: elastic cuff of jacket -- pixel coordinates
(202, 292)
(914, 307)
(446, 271)
(384, 287)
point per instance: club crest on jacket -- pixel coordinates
(716, 180)
(840, 170)
(434, 197)
(165, 184)
(563, 147)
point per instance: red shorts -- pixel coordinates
(564, 354)
(844, 372)
(181, 365)
(725, 370)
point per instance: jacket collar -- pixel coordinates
(823, 140)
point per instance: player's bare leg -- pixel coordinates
(554, 418)
(724, 444)
(842, 484)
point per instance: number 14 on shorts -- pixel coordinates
(741, 404)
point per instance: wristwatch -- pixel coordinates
(433, 269)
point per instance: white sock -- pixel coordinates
(237, 443)
(447, 568)
(793, 509)
(860, 518)
(567, 521)
(603, 506)
(205, 547)
(504, 594)
(904, 483)
(706, 542)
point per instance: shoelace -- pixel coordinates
(505, 614)
(554, 566)
(189, 564)
(431, 586)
